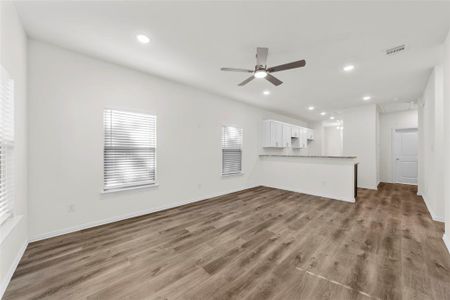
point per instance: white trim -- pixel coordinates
(5, 282)
(141, 187)
(446, 239)
(375, 188)
(232, 174)
(75, 228)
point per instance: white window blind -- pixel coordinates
(231, 150)
(6, 145)
(129, 150)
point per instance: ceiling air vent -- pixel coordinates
(395, 50)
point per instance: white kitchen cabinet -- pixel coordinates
(309, 134)
(287, 132)
(295, 131)
(303, 137)
(283, 135)
(273, 134)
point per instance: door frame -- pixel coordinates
(393, 160)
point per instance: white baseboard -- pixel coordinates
(79, 227)
(369, 187)
(446, 239)
(12, 269)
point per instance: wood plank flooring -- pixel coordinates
(260, 243)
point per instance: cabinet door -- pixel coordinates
(310, 134)
(303, 138)
(276, 134)
(295, 131)
(286, 135)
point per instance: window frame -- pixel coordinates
(150, 184)
(241, 171)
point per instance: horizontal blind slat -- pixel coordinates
(129, 149)
(231, 150)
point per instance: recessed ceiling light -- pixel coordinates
(266, 92)
(143, 39)
(323, 113)
(260, 74)
(367, 98)
(331, 118)
(349, 68)
(311, 107)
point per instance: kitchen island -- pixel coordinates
(332, 177)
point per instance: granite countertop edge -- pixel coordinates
(308, 156)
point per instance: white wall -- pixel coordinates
(68, 93)
(14, 233)
(360, 139)
(431, 145)
(316, 147)
(332, 139)
(388, 123)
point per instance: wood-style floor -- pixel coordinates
(260, 243)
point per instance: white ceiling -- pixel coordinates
(190, 41)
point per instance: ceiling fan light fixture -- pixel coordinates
(143, 39)
(260, 74)
(348, 68)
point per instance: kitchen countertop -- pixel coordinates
(308, 156)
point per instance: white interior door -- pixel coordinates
(405, 155)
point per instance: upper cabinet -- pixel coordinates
(273, 134)
(295, 131)
(309, 134)
(278, 134)
(287, 135)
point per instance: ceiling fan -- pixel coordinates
(262, 71)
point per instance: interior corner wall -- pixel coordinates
(68, 92)
(446, 138)
(14, 232)
(431, 144)
(332, 139)
(378, 144)
(388, 123)
(360, 139)
(316, 147)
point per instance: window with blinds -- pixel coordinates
(6, 145)
(231, 150)
(129, 150)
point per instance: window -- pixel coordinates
(6, 145)
(231, 150)
(129, 150)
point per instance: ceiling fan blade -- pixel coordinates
(292, 65)
(236, 70)
(261, 56)
(246, 81)
(273, 80)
